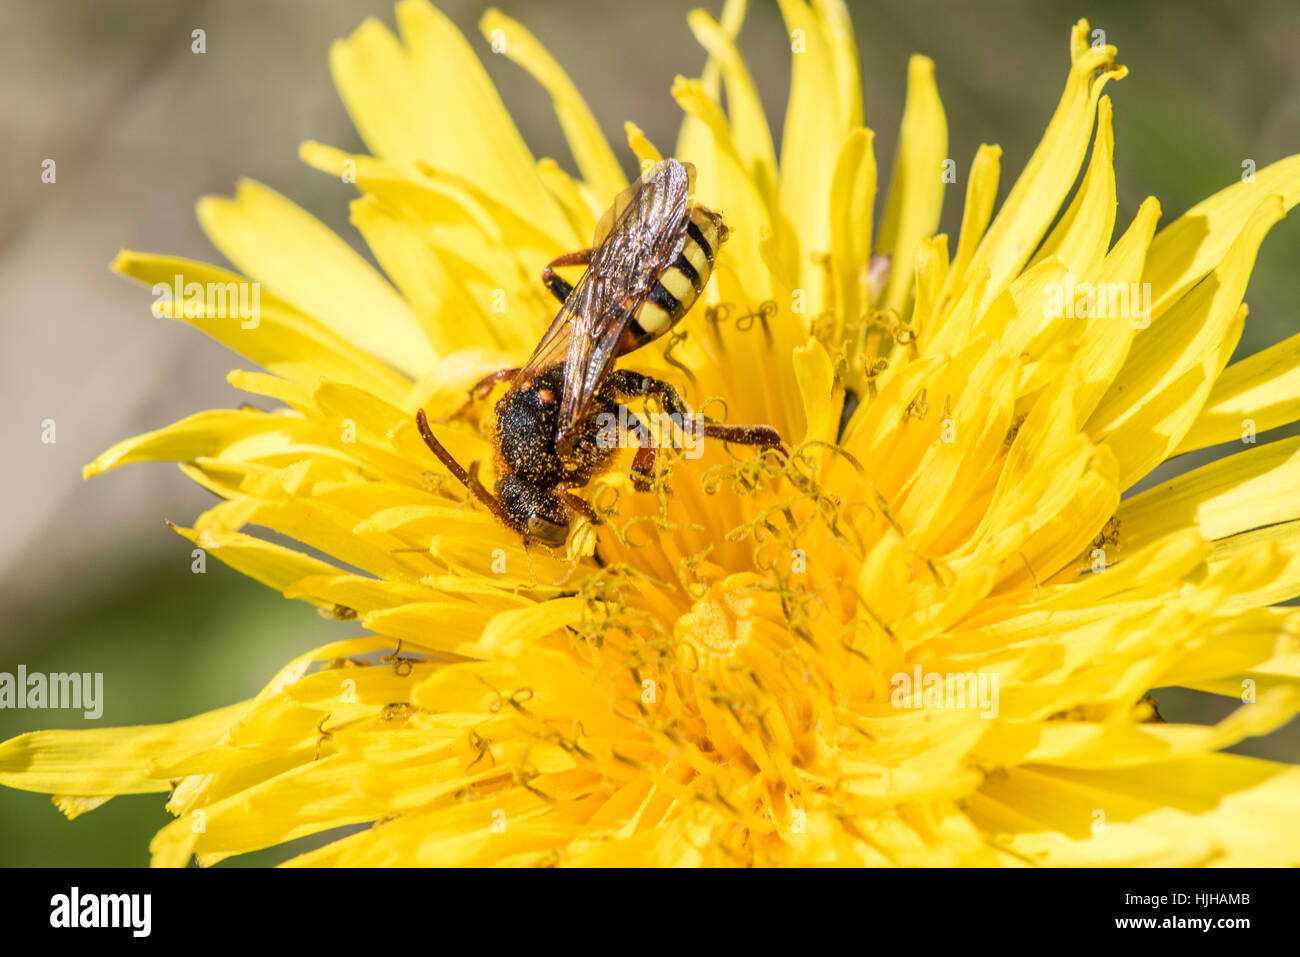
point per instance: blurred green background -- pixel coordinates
(140, 127)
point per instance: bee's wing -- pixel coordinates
(583, 338)
(666, 176)
(553, 349)
(637, 239)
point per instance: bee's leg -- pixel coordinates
(559, 288)
(643, 463)
(634, 385)
(482, 389)
(628, 383)
(577, 504)
(469, 479)
(761, 435)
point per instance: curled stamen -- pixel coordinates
(686, 567)
(722, 312)
(872, 372)
(675, 339)
(323, 735)
(402, 666)
(918, 408)
(495, 706)
(482, 747)
(519, 697)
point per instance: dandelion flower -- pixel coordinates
(739, 667)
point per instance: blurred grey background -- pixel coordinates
(140, 128)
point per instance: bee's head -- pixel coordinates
(535, 513)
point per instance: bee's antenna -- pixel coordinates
(468, 479)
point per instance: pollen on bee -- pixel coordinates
(546, 396)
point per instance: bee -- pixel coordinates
(652, 254)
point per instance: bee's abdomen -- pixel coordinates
(680, 284)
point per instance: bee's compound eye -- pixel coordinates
(547, 532)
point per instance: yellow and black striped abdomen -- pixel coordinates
(680, 284)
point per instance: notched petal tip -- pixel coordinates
(122, 262)
(1089, 52)
(72, 806)
(920, 65)
(645, 151)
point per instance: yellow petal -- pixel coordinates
(853, 191)
(106, 761)
(916, 185)
(646, 153)
(1253, 488)
(451, 318)
(292, 394)
(1026, 323)
(1194, 243)
(1106, 340)
(299, 259)
(731, 191)
(1258, 393)
(1261, 643)
(591, 151)
(397, 97)
(1269, 562)
(439, 626)
(981, 193)
(813, 133)
(1280, 670)
(980, 401)
(692, 135)
(217, 432)
(325, 526)
(1082, 236)
(357, 593)
(577, 200)
(1173, 363)
(373, 78)
(510, 631)
(838, 30)
(279, 338)
(748, 122)
(816, 378)
(270, 564)
(459, 211)
(1047, 178)
(1221, 808)
(937, 330)
(1065, 522)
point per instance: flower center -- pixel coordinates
(720, 622)
(754, 697)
